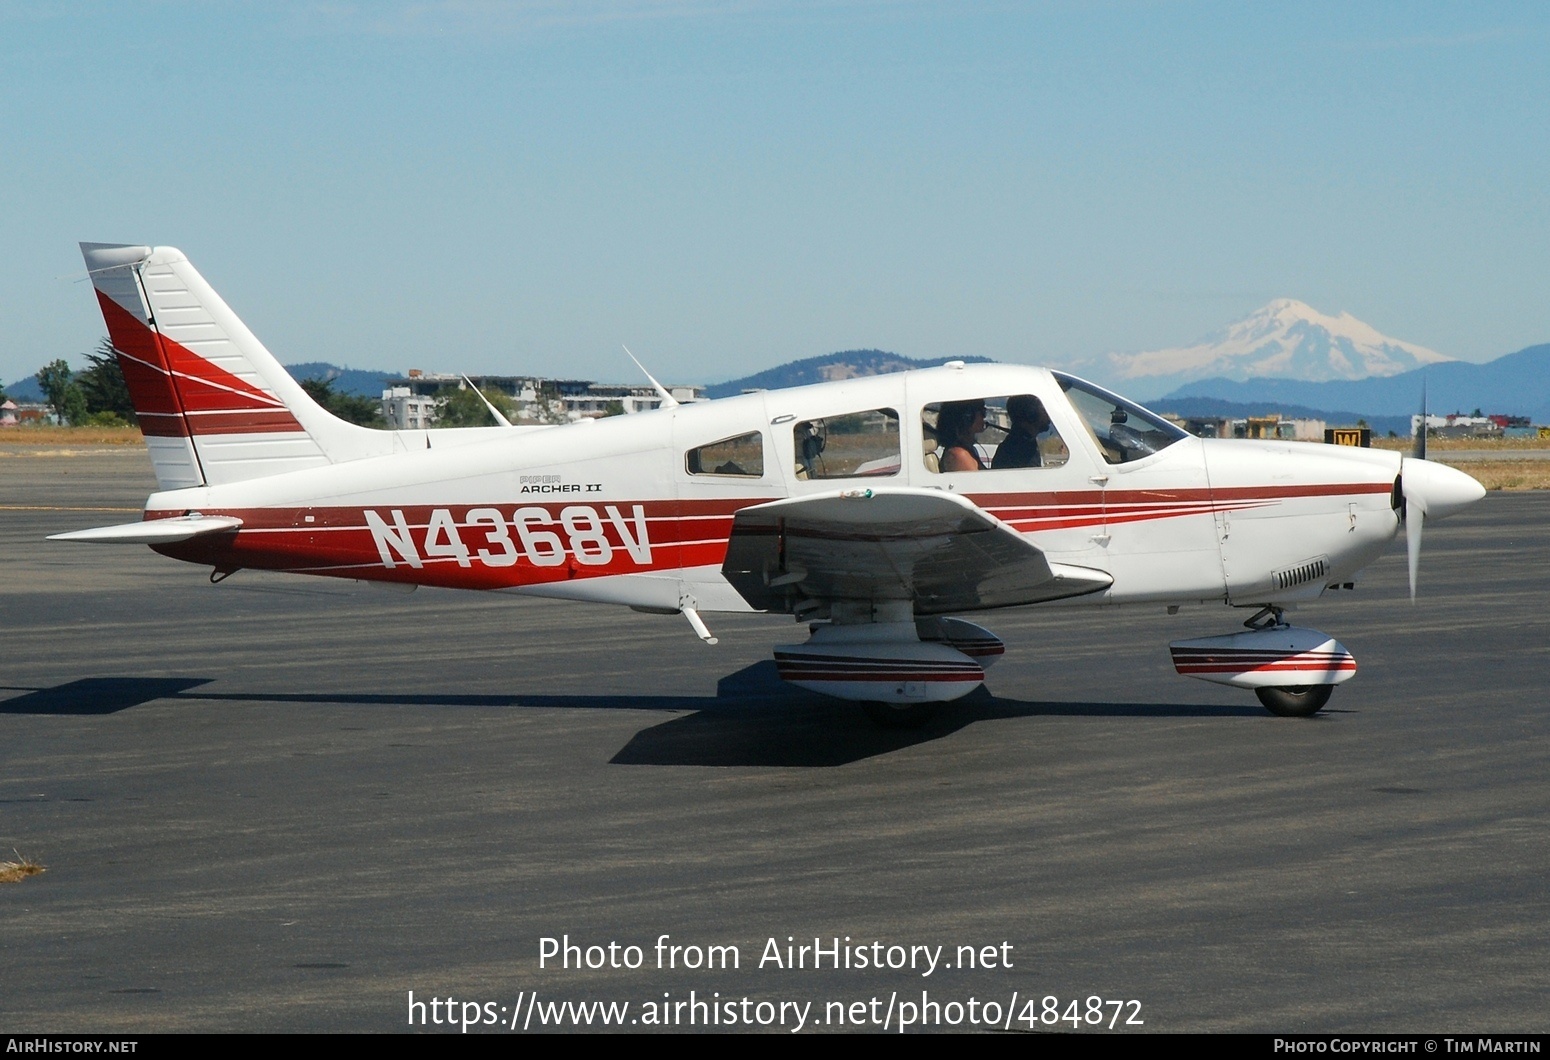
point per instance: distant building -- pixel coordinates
(28, 412)
(540, 400)
(1272, 426)
(1276, 427)
(594, 401)
(407, 410)
(1457, 425)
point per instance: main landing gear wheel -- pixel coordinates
(899, 715)
(1295, 701)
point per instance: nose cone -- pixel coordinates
(1439, 490)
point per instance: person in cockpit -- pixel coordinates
(958, 425)
(1021, 446)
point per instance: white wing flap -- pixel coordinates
(936, 549)
(153, 531)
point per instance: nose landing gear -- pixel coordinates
(1292, 670)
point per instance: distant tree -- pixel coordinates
(613, 408)
(462, 408)
(103, 387)
(360, 410)
(62, 392)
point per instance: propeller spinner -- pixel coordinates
(1426, 488)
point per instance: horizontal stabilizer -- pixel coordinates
(153, 531)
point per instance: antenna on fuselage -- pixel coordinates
(668, 401)
(502, 420)
(1415, 511)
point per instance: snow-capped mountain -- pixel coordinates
(1285, 339)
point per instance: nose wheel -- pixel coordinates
(1295, 701)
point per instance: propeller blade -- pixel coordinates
(1435, 490)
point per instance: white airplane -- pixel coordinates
(873, 510)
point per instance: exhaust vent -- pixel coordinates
(1301, 574)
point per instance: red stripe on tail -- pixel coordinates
(177, 393)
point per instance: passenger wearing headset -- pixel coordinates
(1021, 447)
(958, 425)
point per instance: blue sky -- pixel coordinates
(522, 187)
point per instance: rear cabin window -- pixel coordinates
(855, 445)
(739, 457)
(1004, 433)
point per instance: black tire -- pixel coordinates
(1295, 701)
(899, 715)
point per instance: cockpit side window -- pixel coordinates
(990, 434)
(857, 444)
(740, 457)
(1123, 430)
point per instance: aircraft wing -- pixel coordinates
(937, 549)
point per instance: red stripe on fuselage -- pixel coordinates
(680, 533)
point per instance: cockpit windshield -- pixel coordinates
(1123, 430)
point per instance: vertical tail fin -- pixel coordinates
(214, 404)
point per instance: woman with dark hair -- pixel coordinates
(958, 425)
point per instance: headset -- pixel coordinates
(813, 444)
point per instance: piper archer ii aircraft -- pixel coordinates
(873, 510)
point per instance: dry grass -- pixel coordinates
(18, 870)
(1505, 474)
(1443, 445)
(69, 437)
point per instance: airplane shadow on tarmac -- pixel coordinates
(99, 695)
(755, 719)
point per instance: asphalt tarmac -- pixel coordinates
(284, 804)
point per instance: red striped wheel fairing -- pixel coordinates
(796, 666)
(1191, 661)
(1280, 656)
